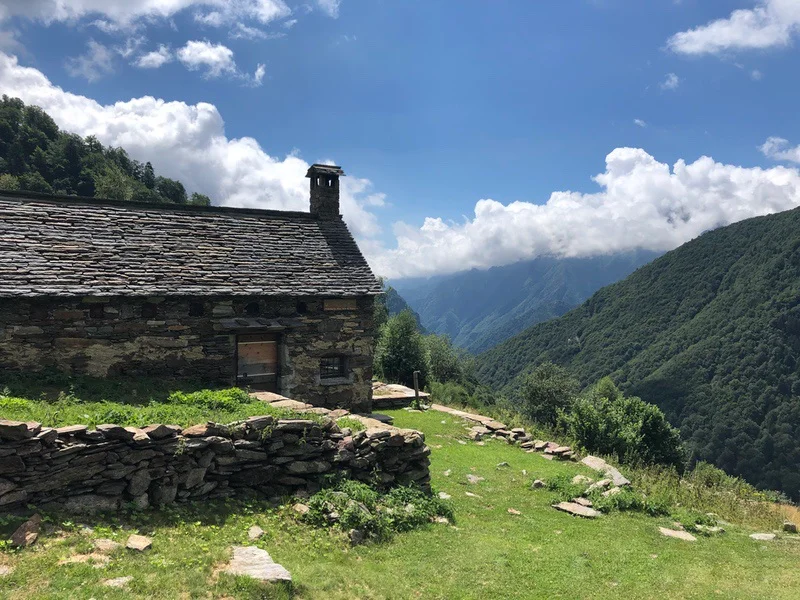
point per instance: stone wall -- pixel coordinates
(193, 338)
(77, 469)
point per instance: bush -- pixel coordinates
(446, 364)
(354, 505)
(606, 422)
(228, 399)
(547, 390)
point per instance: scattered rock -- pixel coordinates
(257, 564)
(789, 527)
(502, 465)
(599, 485)
(254, 533)
(583, 502)
(447, 473)
(710, 530)
(106, 546)
(577, 510)
(27, 533)
(612, 492)
(598, 464)
(680, 535)
(444, 496)
(581, 480)
(117, 582)
(139, 543)
(471, 495)
(441, 520)
(513, 511)
(474, 479)
(6, 570)
(462, 442)
(537, 484)
(547, 456)
(763, 537)
(301, 509)
(356, 537)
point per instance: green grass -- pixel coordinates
(177, 408)
(487, 554)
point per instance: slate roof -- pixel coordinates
(66, 246)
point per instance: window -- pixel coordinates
(148, 310)
(252, 309)
(196, 309)
(332, 367)
(97, 311)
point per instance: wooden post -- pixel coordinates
(417, 404)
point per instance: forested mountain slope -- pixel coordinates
(36, 156)
(479, 309)
(710, 332)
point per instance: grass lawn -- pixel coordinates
(488, 553)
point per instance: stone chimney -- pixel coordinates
(325, 190)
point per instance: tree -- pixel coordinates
(171, 190)
(114, 184)
(401, 351)
(8, 182)
(149, 176)
(444, 360)
(547, 390)
(200, 200)
(33, 182)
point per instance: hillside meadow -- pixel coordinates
(488, 552)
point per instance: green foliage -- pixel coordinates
(35, 156)
(546, 391)
(401, 351)
(446, 362)
(355, 505)
(228, 399)
(606, 422)
(709, 332)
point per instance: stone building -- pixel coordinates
(272, 300)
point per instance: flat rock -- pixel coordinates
(763, 537)
(115, 432)
(386, 419)
(537, 484)
(17, 430)
(581, 480)
(444, 496)
(291, 405)
(160, 432)
(583, 502)
(577, 510)
(301, 509)
(513, 511)
(117, 582)
(612, 492)
(72, 430)
(27, 533)
(139, 542)
(6, 570)
(473, 479)
(598, 464)
(106, 545)
(678, 535)
(256, 563)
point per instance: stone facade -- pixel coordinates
(195, 337)
(80, 470)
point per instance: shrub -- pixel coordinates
(606, 422)
(401, 351)
(355, 505)
(547, 390)
(228, 399)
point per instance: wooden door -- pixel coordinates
(257, 362)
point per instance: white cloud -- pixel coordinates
(671, 82)
(756, 75)
(290, 23)
(329, 7)
(131, 47)
(778, 148)
(240, 31)
(96, 62)
(154, 59)
(769, 24)
(642, 204)
(215, 59)
(188, 142)
(116, 14)
(639, 123)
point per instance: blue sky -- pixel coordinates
(440, 104)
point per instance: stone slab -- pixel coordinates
(577, 510)
(678, 535)
(256, 563)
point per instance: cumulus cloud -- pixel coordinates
(769, 24)
(642, 203)
(214, 59)
(154, 59)
(188, 142)
(113, 14)
(671, 82)
(94, 64)
(778, 148)
(640, 123)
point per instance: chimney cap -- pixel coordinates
(317, 169)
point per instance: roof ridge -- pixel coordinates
(62, 199)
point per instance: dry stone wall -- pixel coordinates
(81, 470)
(192, 337)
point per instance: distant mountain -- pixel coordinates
(710, 332)
(395, 304)
(479, 309)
